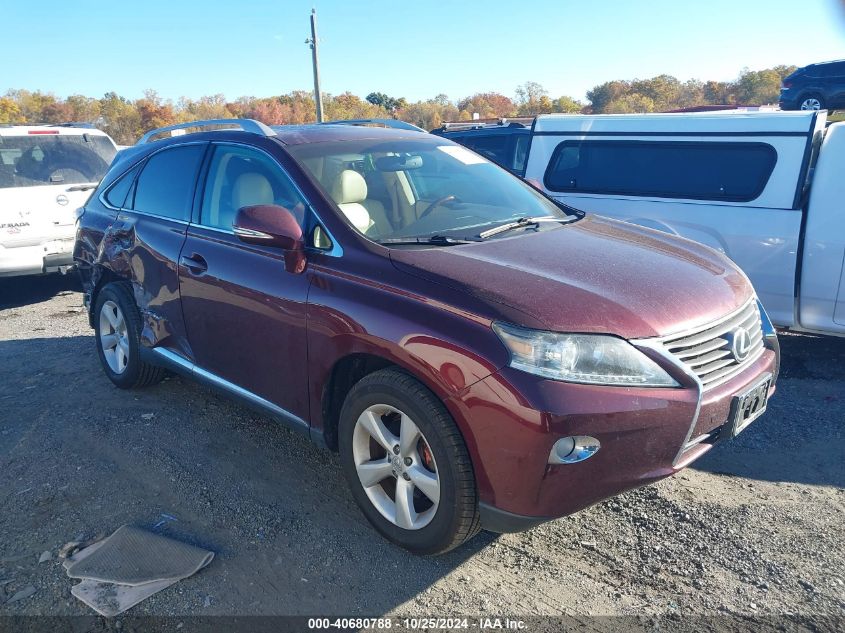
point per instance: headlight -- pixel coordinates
(585, 358)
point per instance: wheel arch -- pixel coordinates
(424, 363)
(103, 277)
(810, 92)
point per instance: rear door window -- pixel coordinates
(168, 180)
(686, 170)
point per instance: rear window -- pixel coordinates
(116, 195)
(54, 159)
(735, 172)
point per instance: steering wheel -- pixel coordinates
(440, 201)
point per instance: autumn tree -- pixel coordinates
(488, 105)
(208, 107)
(83, 109)
(601, 95)
(630, 103)
(154, 112)
(121, 120)
(10, 112)
(532, 98)
(760, 86)
(350, 106)
(430, 114)
(390, 104)
(567, 105)
(126, 120)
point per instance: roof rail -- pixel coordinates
(479, 124)
(394, 123)
(247, 125)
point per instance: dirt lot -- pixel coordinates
(756, 527)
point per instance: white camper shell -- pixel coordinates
(766, 188)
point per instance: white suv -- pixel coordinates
(46, 174)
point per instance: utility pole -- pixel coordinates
(318, 95)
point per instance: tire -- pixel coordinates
(117, 320)
(438, 453)
(812, 102)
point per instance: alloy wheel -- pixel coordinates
(396, 466)
(114, 337)
(811, 103)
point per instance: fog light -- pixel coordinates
(569, 450)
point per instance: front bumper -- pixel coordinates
(514, 419)
(47, 257)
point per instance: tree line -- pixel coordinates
(125, 120)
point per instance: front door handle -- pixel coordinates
(195, 264)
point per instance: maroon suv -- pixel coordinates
(480, 355)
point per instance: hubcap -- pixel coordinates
(114, 338)
(389, 449)
(811, 104)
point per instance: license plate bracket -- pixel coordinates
(749, 405)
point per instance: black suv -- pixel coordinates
(815, 87)
(505, 141)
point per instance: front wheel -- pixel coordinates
(407, 464)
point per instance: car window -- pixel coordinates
(54, 159)
(419, 187)
(116, 195)
(493, 147)
(166, 184)
(239, 177)
(521, 152)
(835, 70)
(686, 170)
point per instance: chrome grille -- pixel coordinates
(706, 351)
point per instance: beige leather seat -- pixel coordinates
(350, 193)
(250, 189)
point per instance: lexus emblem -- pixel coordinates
(62, 199)
(740, 344)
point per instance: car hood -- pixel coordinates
(594, 275)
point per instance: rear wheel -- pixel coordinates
(117, 327)
(407, 464)
(812, 102)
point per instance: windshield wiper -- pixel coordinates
(517, 224)
(435, 240)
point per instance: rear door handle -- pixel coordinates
(195, 264)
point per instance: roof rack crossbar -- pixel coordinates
(247, 125)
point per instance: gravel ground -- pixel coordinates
(754, 528)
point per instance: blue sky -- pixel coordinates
(410, 48)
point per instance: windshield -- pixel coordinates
(394, 189)
(54, 159)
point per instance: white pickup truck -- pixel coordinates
(765, 188)
(46, 174)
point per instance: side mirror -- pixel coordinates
(272, 225)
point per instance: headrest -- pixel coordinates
(251, 188)
(349, 187)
